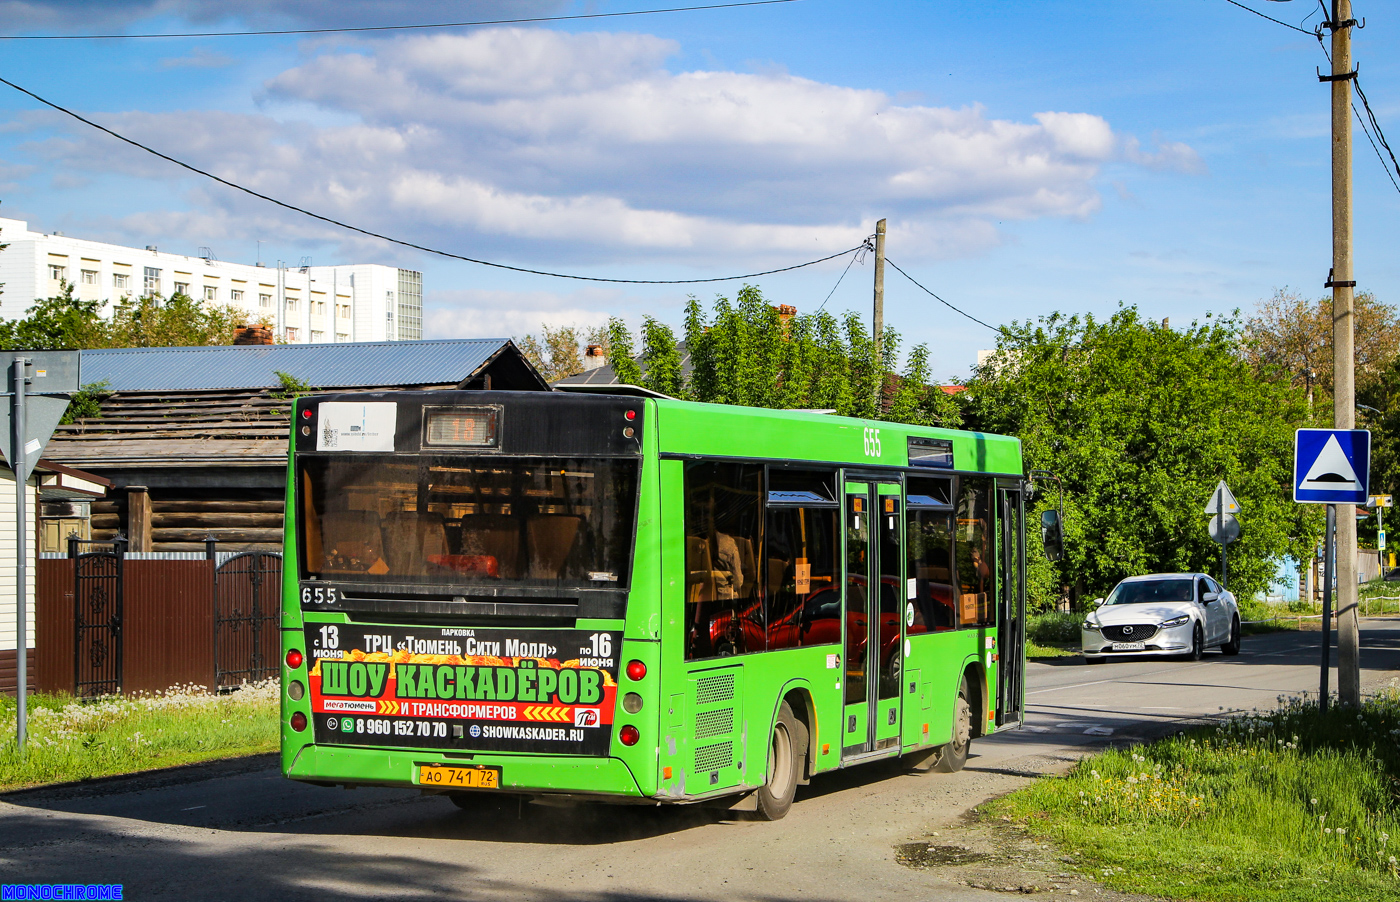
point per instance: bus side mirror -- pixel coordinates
(1052, 535)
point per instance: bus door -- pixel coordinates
(874, 629)
(1011, 605)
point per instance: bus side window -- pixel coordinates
(976, 599)
(803, 601)
(723, 526)
(930, 544)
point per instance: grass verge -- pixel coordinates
(77, 740)
(1054, 634)
(1284, 806)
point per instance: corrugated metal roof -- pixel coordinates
(348, 365)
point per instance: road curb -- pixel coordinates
(137, 781)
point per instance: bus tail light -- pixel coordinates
(628, 734)
(298, 721)
(294, 659)
(636, 670)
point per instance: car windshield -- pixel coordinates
(1147, 591)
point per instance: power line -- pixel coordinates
(1270, 18)
(418, 247)
(939, 299)
(854, 257)
(1380, 135)
(520, 21)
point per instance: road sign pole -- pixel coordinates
(1330, 558)
(1224, 547)
(18, 459)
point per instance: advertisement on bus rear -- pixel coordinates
(543, 691)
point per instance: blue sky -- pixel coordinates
(1030, 157)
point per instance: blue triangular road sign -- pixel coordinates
(1331, 466)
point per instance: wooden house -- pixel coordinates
(194, 439)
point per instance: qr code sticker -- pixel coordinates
(328, 436)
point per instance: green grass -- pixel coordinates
(1288, 805)
(73, 740)
(1053, 634)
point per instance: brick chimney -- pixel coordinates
(785, 314)
(593, 358)
(257, 334)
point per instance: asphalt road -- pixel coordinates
(237, 830)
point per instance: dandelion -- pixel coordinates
(1328, 831)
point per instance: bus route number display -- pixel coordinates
(546, 691)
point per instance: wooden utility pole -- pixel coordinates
(1342, 284)
(879, 327)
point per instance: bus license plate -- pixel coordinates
(1129, 646)
(465, 777)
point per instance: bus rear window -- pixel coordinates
(444, 520)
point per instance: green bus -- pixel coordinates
(621, 596)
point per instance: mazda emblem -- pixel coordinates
(1127, 630)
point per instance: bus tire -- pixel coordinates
(780, 781)
(953, 755)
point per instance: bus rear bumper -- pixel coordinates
(530, 774)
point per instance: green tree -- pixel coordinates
(556, 351)
(1289, 337)
(62, 322)
(661, 358)
(748, 352)
(178, 321)
(620, 355)
(1141, 422)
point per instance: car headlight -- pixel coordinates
(1177, 621)
(1089, 626)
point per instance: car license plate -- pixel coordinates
(477, 777)
(1129, 646)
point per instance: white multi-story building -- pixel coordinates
(301, 304)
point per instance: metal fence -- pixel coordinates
(108, 620)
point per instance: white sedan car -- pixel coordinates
(1162, 614)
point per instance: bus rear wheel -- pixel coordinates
(780, 785)
(953, 756)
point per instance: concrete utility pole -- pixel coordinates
(879, 328)
(1342, 284)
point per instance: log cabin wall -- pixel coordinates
(241, 519)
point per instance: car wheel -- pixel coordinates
(1233, 646)
(953, 755)
(1099, 660)
(776, 794)
(1198, 644)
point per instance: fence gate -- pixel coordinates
(247, 609)
(97, 618)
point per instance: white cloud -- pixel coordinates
(472, 313)
(1173, 156)
(538, 144)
